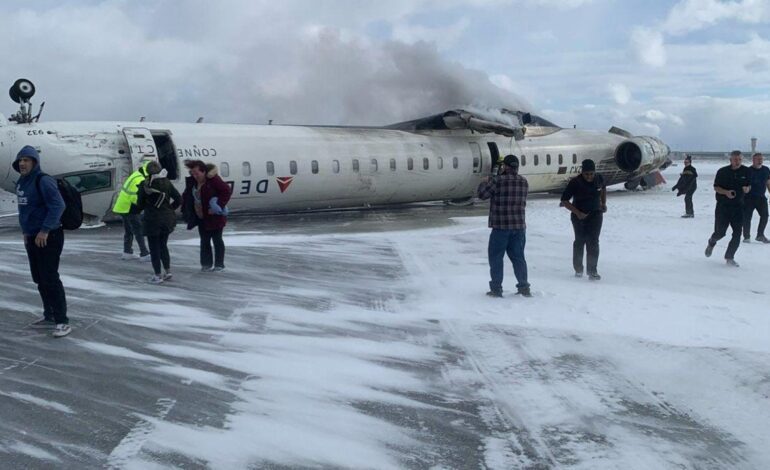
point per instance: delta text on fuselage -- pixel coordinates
(274, 168)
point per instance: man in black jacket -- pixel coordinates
(687, 185)
(731, 184)
(759, 176)
(588, 196)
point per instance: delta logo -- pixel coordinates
(284, 182)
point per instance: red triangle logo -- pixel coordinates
(284, 182)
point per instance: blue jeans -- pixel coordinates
(511, 242)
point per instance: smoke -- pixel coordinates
(109, 61)
(333, 81)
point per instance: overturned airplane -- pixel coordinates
(274, 168)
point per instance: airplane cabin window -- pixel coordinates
(270, 168)
(336, 166)
(314, 167)
(355, 165)
(440, 164)
(392, 164)
(425, 164)
(410, 163)
(476, 164)
(224, 168)
(246, 169)
(374, 165)
(537, 160)
(91, 182)
(293, 167)
(523, 160)
(574, 159)
(548, 159)
(455, 162)
(561, 159)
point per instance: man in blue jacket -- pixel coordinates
(40, 210)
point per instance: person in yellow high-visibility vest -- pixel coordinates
(125, 206)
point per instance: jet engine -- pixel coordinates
(641, 154)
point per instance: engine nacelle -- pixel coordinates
(641, 154)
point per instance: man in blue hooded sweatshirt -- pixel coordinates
(40, 210)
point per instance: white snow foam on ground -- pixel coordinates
(659, 365)
(662, 364)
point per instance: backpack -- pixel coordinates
(72, 217)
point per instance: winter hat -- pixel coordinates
(588, 165)
(26, 151)
(688, 158)
(511, 160)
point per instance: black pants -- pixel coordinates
(749, 205)
(727, 216)
(688, 209)
(44, 266)
(132, 228)
(587, 233)
(159, 252)
(207, 237)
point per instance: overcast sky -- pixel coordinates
(694, 72)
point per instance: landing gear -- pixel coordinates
(22, 91)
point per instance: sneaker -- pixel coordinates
(594, 277)
(578, 273)
(43, 323)
(167, 275)
(688, 216)
(495, 293)
(747, 240)
(709, 250)
(61, 329)
(205, 269)
(128, 256)
(218, 269)
(524, 292)
(155, 280)
(145, 258)
(762, 239)
(732, 263)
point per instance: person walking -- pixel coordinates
(687, 184)
(759, 176)
(125, 207)
(158, 199)
(586, 198)
(205, 201)
(508, 193)
(731, 184)
(40, 209)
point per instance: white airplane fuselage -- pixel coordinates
(299, 168)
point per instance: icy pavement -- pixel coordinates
(365, 340)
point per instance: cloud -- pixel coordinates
(648, 47)
(658, 117)
(620, 93)
(692, 15)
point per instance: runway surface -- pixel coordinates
(365, 340)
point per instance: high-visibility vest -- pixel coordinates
(128, 193)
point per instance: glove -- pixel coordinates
(215, 209)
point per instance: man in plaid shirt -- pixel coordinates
(508, 192)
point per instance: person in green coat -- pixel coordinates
(158, 199)
(125, 207)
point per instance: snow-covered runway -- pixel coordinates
(365, 340)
